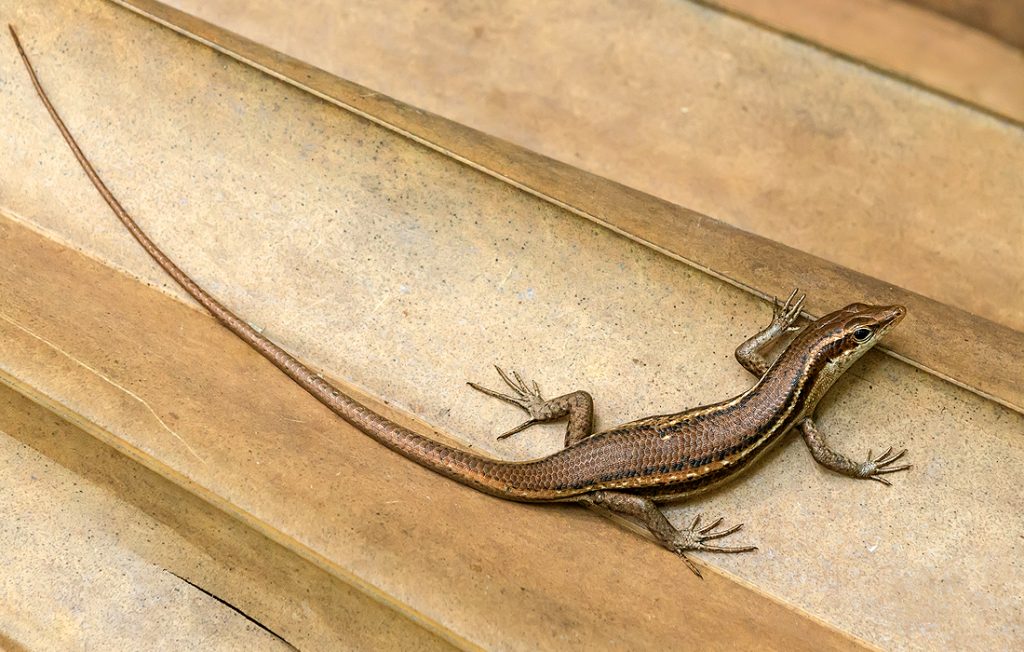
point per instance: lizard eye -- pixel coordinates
(862, 334)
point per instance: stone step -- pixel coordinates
(403, 273)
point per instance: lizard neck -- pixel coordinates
(802, 374)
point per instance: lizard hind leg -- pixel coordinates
(578, 406)
(644, 510)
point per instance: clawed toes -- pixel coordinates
(883, 464)
(523, 396)
(519, 428)
(887, 457)
(518, 385)
(789, 312)
(498, 395)
(697, 538)
(782, 308)
(689, 564)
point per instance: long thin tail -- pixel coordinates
(516, 481)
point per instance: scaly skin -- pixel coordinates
(629, 468)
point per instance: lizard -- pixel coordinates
(630, 469)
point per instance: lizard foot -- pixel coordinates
(523, 396)
(786, 315)
(875, 468)
(696, 538)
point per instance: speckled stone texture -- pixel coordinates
(706, 111)
(97, 552)
(72, 578)
(407, 274)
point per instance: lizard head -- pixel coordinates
(838, 339)
(862, 325)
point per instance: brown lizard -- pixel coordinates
(630, 468)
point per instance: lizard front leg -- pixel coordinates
(579, 406)
(678, 541)
(873, 468)
(750, 354)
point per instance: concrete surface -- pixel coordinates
(95, 544)
(406, 273)
(70, 578)
(912, 43)
(704, 110)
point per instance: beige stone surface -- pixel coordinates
(69, 579)
(911, 42)
(1004, 19)
(406, 273)
(704, 110)
(153, 532)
